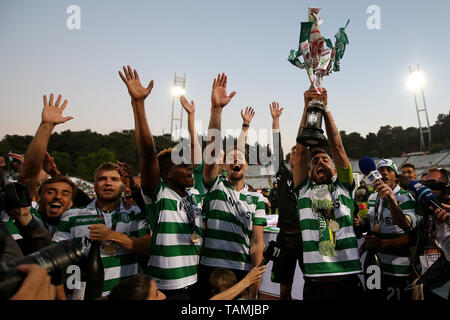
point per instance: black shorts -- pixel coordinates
(283, 269)
(349, 289)
(394, 288)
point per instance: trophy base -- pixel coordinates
(312, 139)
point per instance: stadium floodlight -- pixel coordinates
(178, 91)
(416, 80)
(416, 83)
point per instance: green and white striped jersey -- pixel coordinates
(347, 259)
(10, 226)
(393, 262)
(9, 222)
(230, 216)
(74, 224)
(174, 256)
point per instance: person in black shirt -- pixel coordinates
(275, 198)
(289, 238)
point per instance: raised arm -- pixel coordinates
(219, 99)
(334, 138)
(36, 151)
(196, 149)
(148, 162)
(275, 112)
(300, 171)
(247, 117)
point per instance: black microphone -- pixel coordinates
(423, 194)
(271, 252)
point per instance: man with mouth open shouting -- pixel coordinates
(234, 216)
(326, 207)
(391, 212)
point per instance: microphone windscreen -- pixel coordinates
(420, 192)
(367, 165)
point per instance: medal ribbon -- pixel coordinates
(190, 213)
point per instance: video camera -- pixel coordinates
(14, 195)
(55, 259)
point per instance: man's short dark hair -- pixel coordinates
(442, 171)
(134, 288)
(56, 179)
(165, 159)
(408, 165)
(317, 150)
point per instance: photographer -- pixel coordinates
(31, 235)
(36, 286)
(433, 238)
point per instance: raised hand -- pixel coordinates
(52, 114)
(49, 166)
(19, 163)
(189, 107)
(126, 175)
(275, 110)
(311, 94)
(219, 97)
(247, 116)
(136, 90)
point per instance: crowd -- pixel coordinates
(190, 228)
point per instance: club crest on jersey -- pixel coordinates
(124, 217)
(248, 199)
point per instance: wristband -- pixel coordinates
(245, 125)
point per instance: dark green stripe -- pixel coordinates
(175, 250)
(172, 273)
(396, 269)
(225, 255)
(63, 226)
(304, 203)
(309, 224)
(347, 243)
(117, 261)
(332, 267)
(226, 216)
(408, 205)
(226, 236)
(260, 222)
(174, 228)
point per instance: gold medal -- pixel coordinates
(376, 227)
(195, 238)
(333, 225)
(109, 248)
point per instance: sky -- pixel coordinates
(248, 40)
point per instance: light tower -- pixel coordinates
(179, 85)
(416, 83)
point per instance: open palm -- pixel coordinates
(219, 97)
(53, 113)
(247, 116)
(275, 110)
(135, 88)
